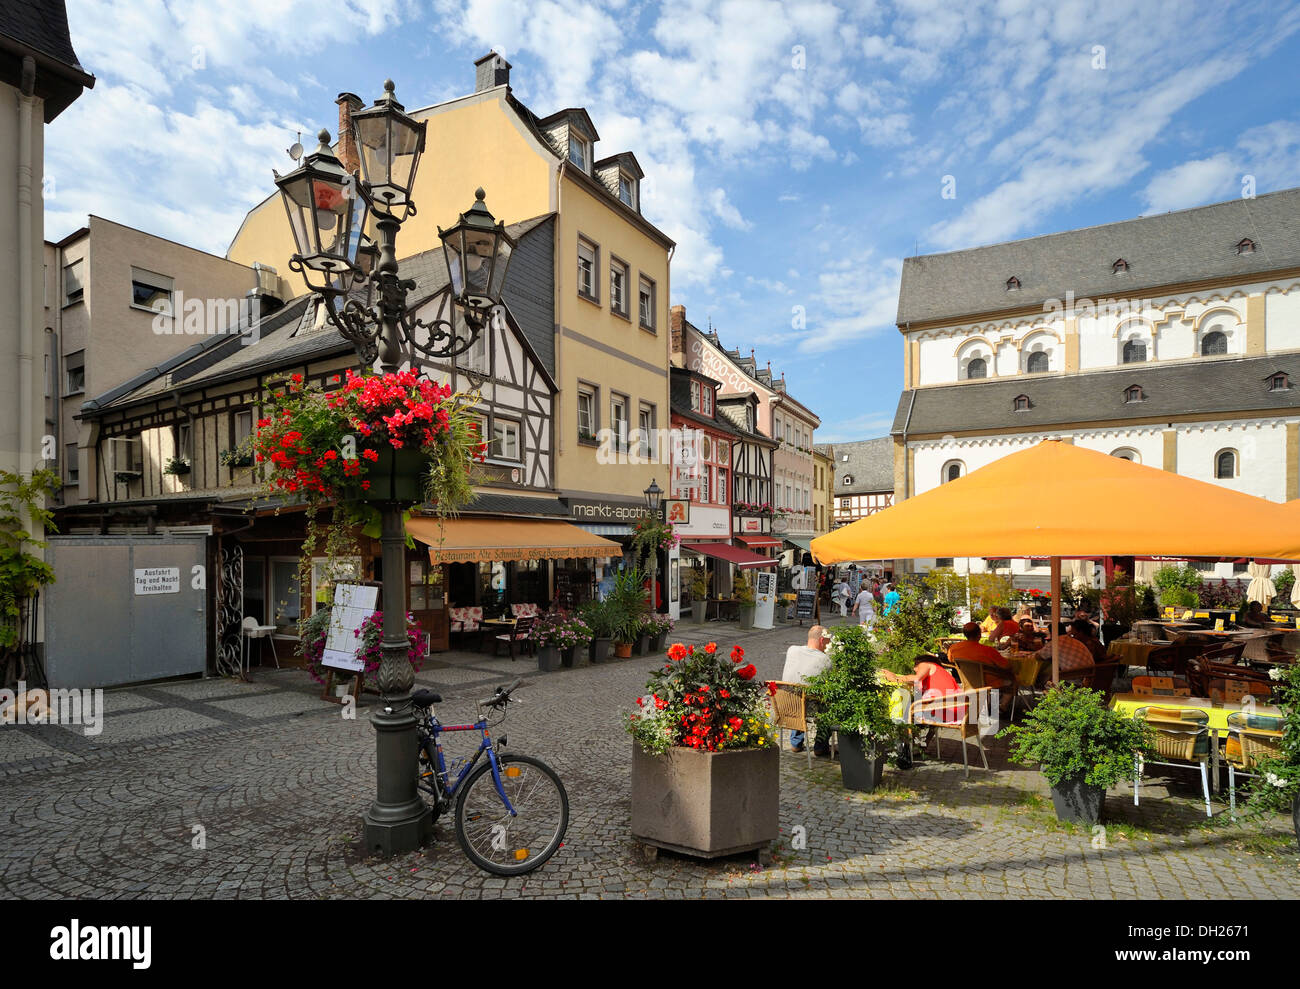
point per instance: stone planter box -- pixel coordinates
(706, 804)
(697, 612)
(746, 616)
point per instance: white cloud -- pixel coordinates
(726, 212)
(1192, 184)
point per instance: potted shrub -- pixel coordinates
(851, 700)
(744, 592)
(600, 619)
(1081, 746)
(627, 603)
(705, 769)
(176, 466)
(549, 635)
(662, 625)
(22, 572)
(1277, 786)
(236, 458)
(575, 640)
(699, 588)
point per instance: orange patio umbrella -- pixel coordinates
(1058, 500)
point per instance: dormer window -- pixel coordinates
(844, 458)
(1119, 266)
(1279, 382)
(1133, 393)
(848, 479)
(1013, 284)
(1245, 246)
(1021, 403)
(627, 189)
(579, 151)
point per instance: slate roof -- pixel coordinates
(1164, 249)
(290, 338)
(1202, 387)
(39, 29)
(870, 463)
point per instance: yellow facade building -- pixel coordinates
(610, 273)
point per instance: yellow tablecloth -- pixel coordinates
(1131, 651)
(1026, 666)
(1129, 703)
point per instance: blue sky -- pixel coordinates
(796, 151)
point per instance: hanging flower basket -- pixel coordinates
(396, 475)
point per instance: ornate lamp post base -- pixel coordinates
(397, 821)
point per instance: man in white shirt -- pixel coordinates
(865, 607)
(802, 662)
(841, 597)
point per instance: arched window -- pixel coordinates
(1021, 403)
(1127, 453)
(952, 470)
(1135, 351)
(1133, 393)
(1038, 362)
(1225, 464)
(1214, 343)
(977, 368)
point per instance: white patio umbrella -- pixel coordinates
(1295, 588)
(1261, 588)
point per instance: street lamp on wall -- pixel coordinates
(653, 499)
(357, 280)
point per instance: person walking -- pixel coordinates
(865, 607)
(841, 595)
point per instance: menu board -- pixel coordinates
(805, 604)
(353, 604)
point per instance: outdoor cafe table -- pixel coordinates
(1217, 712)
(1133, 652)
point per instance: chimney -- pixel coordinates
(491, 71)
(348, 103)
(677, 321)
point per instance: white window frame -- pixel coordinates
(644, 283)
(619, 402)
(159, 283)
(623, 178)
(618, 302)
(499, 450)
(68, 368)
(588, 251)
(583, 161)
(589, 393)
(697, 391)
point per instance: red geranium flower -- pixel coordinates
(711, 648)
(747, 672)
(737, 654)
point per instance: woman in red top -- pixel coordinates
(932, 680)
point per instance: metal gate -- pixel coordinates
(124, 609)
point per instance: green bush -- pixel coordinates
(849, 697)
(1178, 587)
(913, 628)
(1284, 582)
(1071, 735)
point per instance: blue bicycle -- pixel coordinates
(512, 810)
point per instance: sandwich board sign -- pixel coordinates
(353, 604)
(764, 599)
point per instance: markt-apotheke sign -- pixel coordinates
(582, 510)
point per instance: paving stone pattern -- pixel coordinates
(272, 781)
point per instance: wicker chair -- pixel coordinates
(1099, 677)
(975, 675)
(1251, 737)
(959, 712)
(790, 710)
(1226, 654)
(1182, 737)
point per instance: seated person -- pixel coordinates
(1022, 613)
(931, 680)
(1256, 617)
(1006, 626)
(802, 662)
(1028, 639)
(1082, 614)
(1074, 654)
(1083, 631)
(991, 622)
(972, 648)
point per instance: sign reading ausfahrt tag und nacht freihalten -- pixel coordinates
(158, 580)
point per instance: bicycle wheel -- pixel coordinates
(505, 845)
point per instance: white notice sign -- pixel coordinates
(764, 600)
(353, 603)
(158, 580)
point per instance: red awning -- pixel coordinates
(760, 542)
(730, 554)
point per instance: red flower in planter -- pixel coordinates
(747, 672)
(737, 654)
(711, 648)
(676, 651)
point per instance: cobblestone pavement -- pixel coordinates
(276, 781)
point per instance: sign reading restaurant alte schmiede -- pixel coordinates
(612, 512)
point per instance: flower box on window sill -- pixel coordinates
(587, 439)
(177, 466)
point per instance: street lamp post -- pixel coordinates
(653, 498)
(364, 297)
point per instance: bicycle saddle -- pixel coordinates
(423, 698)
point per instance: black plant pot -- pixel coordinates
(548, 658)
(1078, 802)
(568, 656)
(643, 645)
(398, 475)
(660, 640)
(861, 766)
(1295, 816)
(600, 649)
(903, 755)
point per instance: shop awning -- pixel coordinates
(730, 554)
(760, 542)
(803, 542)
(472, 540)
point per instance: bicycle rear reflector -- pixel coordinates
(521, 854)
(514, 771)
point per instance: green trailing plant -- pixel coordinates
(849, 694)
(627, 604)
(913, 628)
(22, 573)
(1072, 735)
(238, 457)
(176, 466)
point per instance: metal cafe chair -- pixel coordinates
(1182, 738)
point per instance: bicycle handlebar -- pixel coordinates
(502, 695)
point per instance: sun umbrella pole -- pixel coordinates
(1056, 617)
